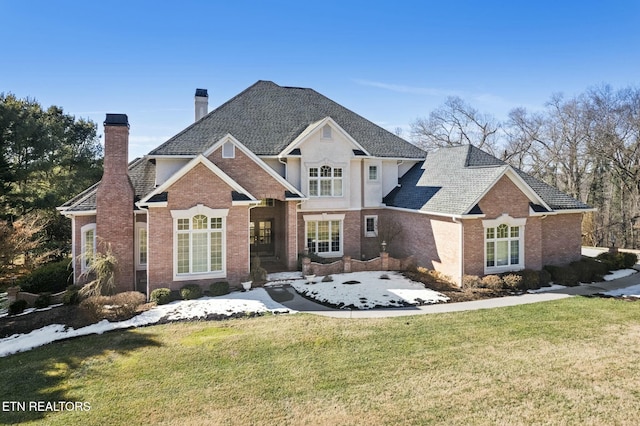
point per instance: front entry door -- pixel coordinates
(261, 237)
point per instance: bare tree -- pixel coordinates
(456, 123)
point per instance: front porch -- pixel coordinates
(272, 234)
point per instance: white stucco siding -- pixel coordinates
(166, 167)
(373, 187)
(293, 173)
(334, 152)
(389, 176)
(275, 165)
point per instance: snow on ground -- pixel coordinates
(371, 291)
(620, 273)
(633, 291)
(550, 288)
(254, 301)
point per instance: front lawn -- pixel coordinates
(573, 361)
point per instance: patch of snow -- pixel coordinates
(280, 276)
(543, 289)
(396, 291)
(633, 291)
(620, 273)
(254, 301)
(593, 251)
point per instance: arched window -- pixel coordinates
(325, 181)
(88, 244)
(504, 244)
(199, 242)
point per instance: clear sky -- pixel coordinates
(389, 61)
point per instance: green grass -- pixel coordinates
(573, 361)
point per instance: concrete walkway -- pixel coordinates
(288, 297)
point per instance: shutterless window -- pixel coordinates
(228, 150)
(371, 226)
(326, 132)
(200, 244)
(373, 172)
(503, 245)
(325, 181)
(324, 236)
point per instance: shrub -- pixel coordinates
(544, 278)
(629, 259)
(471, 281)
(190, 292)
(42, 301)
(530, 279)
(219, 288)
(102, 269)
(563, 275)
(512, 281)
(118, 307)
(50, 278)
(17, 307)
(71, 295)
(493, 282)
(161, 296)
(589, 270)
(93, 307)
(125, 305)
(329, 278)
(619, 260)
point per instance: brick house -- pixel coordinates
(276, 171)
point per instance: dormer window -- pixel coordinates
(326, 132)
(228, 150)
(325, 181)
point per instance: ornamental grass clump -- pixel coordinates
(102, 270)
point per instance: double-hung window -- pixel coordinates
(325, 181)
(199, 243)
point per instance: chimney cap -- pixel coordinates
(202, 93)
(116, 120)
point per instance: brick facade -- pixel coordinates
(114, 205)
(198, 186)
(249, 175)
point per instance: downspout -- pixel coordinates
(73, 246)
(148, 257)
(461, 242)
(286, 169)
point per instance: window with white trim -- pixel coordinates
(200, 242)
(324, 237)
(373, 173)
(371, 226)
(228, 150)
(325, 181)
(88, 244)
(141, 245)
(326, 132)
(503, 247)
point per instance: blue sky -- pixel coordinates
(391, 62)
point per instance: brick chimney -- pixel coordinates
(202, 103)
(114, 201)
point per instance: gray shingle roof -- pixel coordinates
(451, 180)
(266, 118)
(142, 173)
